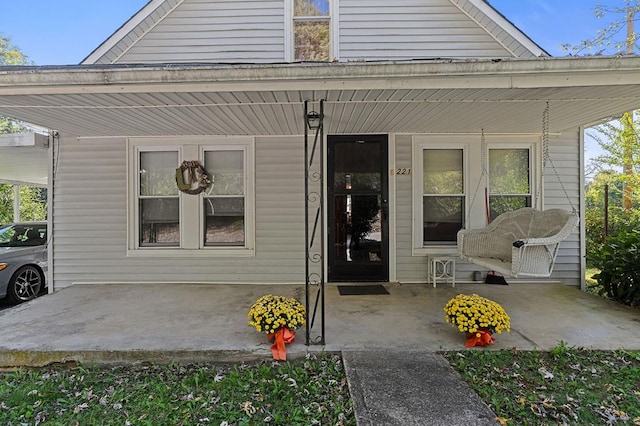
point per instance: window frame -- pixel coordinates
(420, 144)
(191, 207)
(290, 35)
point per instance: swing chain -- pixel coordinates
(484, 173)
(546, 158)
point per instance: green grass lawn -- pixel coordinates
(305, 392)
(567, 386)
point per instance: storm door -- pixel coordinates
(358, 208)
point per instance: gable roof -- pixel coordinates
(131, 31)
(495, 28)
(497, 24)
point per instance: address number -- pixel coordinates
(403, 171)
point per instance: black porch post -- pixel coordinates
(314, 233)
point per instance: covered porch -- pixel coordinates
(163, 323)
(92, 109)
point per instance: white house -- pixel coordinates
(425, 103)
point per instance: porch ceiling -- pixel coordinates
(464, 97)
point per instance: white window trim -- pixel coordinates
(289, 29)
(419, 144)
(334, 34)
(289, 47)
(135, 145)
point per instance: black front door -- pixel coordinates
(358, 208)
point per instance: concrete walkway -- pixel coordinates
(388, 342)
(411, 388)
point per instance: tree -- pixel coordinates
(612, 39)
(11, 55)
(33, 203)
(33, 200)
(620, 146)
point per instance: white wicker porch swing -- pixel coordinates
(522, 242)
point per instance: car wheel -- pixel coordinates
(25, 285)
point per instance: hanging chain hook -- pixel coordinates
(546, 158)
(483, 160)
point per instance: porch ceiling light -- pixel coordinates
(313, 120)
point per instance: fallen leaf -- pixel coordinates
(545, 373)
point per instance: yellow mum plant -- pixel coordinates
(270, 313)
(471, 313)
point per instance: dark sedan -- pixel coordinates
(23, 261)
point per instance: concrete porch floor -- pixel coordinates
(163, 322)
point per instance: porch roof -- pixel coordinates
(505, 96)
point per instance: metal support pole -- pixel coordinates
(314, 232)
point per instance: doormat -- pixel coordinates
(361, 290)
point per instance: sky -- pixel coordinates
(65, 32)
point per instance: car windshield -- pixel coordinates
(21, 235)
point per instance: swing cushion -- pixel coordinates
(536, 233)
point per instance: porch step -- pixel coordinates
(411, 388)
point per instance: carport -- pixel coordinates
(24, 162)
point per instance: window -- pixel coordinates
(509, 180)
(443, 200)
(311, 30)
(158, 201)
(224, 199)
(165, 221)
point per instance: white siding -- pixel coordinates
(90, 225)
(564, 152)
(254, 31)
(90, 218)
(233, 31)
(410, 268)
(409, 29)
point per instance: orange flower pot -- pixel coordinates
(282, 337)
(482, 337)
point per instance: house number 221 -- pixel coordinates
(403, 171)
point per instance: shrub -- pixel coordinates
(619, 265)
(619, 222)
